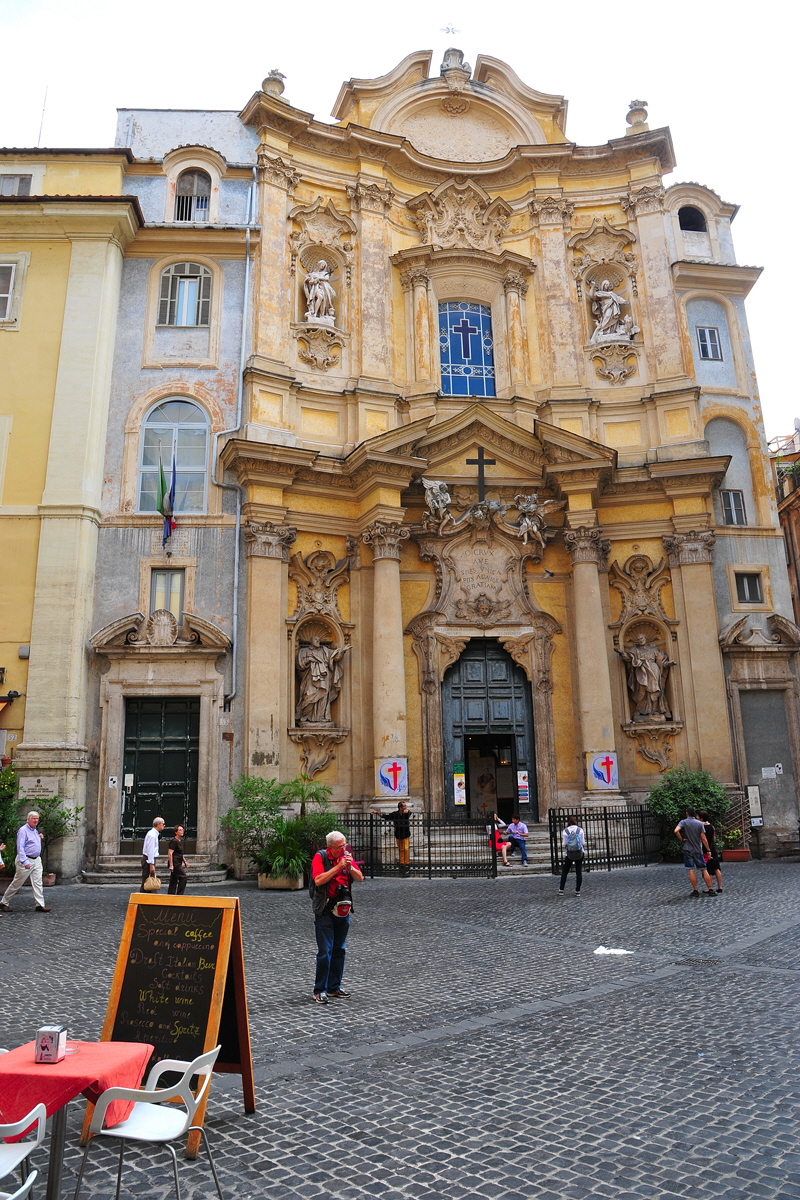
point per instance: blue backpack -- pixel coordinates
(574, 852)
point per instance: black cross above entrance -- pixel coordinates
(480, 462)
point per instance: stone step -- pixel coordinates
(133, 879)
(132, 862)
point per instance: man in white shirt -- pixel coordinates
(150, 849)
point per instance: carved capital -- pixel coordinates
(587, 545)
(275, 170)
(415, 277)
(552, 210)
(385, 539)
(686, 549)
(263, 539)
(645, 200)
(514, 282)
(371, 197)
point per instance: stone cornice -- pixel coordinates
(168, 238)
(262, 463)
(729, 278)
(693, 476)
(428, 256)
(47, 218)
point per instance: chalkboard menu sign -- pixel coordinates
(179, 983)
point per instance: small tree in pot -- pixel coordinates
(55, 823)
(248, 826)
(678, 790)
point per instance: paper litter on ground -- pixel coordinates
(608, 950)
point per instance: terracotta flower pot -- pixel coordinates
(49, 880)
(735, 855)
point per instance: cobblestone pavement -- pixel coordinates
(486, 1051)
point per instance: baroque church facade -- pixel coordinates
(471, 490)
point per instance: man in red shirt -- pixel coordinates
(332, 872)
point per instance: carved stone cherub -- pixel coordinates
(437, 498)
(532, 514)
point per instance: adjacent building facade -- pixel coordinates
(471, 490)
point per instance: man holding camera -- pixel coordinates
(332, 871)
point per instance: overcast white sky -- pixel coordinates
(721, 76)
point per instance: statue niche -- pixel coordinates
(647, 672)
(319, 672)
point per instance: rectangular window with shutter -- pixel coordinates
(733, 508)
(709, 343)
(748, 588)
(185, 295)
(7, 272)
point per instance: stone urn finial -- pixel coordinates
(273, 84)
(637, 117)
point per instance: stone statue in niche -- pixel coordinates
(648, 668)
(320, 670)
(320, 295)
(610, 325)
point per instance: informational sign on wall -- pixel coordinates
(38, 787)
(459, 784)
(602, 772)
(523, 788)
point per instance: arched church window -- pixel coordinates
(466, 348)
(192, 195)
(174, 442)
(185, 295)
(691, 219)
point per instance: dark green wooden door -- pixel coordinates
(162, 739)
(486, 707)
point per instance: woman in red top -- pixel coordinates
(501, 845)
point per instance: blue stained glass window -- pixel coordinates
(466, 348)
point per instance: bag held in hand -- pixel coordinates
(152, 884)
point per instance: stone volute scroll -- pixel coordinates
(264, 539)
(385, 539)
(688, 549)
(587, 545)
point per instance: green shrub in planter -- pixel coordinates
(9, 809)
(248, 826)
(55, 823)
(678, 790)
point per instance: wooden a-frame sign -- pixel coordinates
(179, 985)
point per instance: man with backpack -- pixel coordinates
(573, 840)
(332, 871)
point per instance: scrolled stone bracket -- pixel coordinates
(370, 197)
(654, 742)
(317, 746)
(263, 539)
(688, 549)
(587, 544)
(385, 539)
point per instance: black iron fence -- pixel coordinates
(435, 846)
(615, 837)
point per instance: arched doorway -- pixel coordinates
(487, 725)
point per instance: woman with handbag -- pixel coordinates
(177, 864)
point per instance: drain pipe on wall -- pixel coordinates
(234, 487)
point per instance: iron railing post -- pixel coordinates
(428, 819)
(608, 844)
(371, 846)
(494, 848)
(644, 839)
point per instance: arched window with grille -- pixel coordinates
(176, 430)
(185, 295)
(192, 195)
(466, 348)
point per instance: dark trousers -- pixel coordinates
(331, 934)
(177, 882)
(145, 869)
(578, 873)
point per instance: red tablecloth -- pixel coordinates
(93, 1067)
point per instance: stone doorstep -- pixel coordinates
(132, 862)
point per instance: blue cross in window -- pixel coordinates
(464, 329)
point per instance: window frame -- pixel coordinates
(193, 196)
(709, 329)
(19, 176)
(168, 571)
(743, 568)
(169, 296)
(724, 493)
(143, 470)
(486, 312)
(19, 263)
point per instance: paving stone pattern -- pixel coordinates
(486, 1050)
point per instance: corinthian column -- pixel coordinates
(588, 547)
(267, 549)
(388, 673)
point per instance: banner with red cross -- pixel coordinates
(391, 777)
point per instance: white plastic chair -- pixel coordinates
(153, 1120)
(23, 1191)
(16, 1153)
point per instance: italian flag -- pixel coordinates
(166, 501)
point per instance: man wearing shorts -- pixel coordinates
(690, 831)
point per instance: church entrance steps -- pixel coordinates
(126, 869)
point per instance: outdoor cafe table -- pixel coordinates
(89, 1069)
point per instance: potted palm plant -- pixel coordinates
(282, 861)
(731, 852)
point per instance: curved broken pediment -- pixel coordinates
(160, 631)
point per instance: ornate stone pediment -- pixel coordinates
(460, 215)
(603, 243)
(318, 578)
(137, 633)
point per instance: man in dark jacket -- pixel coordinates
(402, 833)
